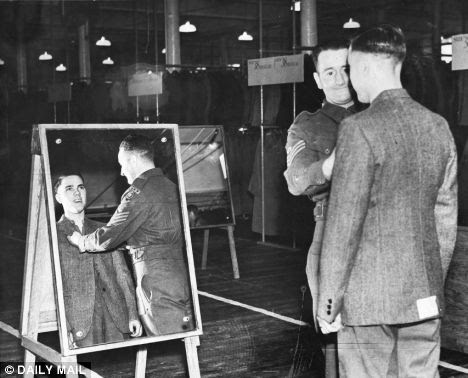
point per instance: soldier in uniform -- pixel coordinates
(310, 150)
(148, 219)
(98, 290)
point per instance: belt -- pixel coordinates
(151, 252)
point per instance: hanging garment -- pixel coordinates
(276, 193)
(463, 99)
(118, 97)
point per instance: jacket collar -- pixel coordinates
(145, 175)
(391, 94)
(335, 112)
(64, 221)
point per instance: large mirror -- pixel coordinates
(120, 236)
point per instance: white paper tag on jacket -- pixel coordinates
(427, 307)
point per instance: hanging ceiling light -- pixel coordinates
(187, 28)
(45, 56)
(108, 61)
(60, 68)
(245, 37)
(103, 42)
(2, 62)
(163, 51)
(351, 24)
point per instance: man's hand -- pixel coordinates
(76, 239)
(71, 341)
(135, 328)
(327, 166)
(327, 328)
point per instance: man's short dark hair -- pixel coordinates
(333, 44)
(139, 144)
(386, 40)
(59, 179)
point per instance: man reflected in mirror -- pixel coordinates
(98, 290)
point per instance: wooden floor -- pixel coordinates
(236, 342)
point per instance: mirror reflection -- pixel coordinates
(120, 234)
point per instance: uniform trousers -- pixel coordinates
(407, 350)
(163, 296)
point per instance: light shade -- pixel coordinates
(45, 56)
(245, 37)
(60, 68)
(2, 62)
(351, 24)
(103, 42)
(163, 51)
(187, 28)
(108, 61)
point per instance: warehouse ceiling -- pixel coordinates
(136, 27)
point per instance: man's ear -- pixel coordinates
(58, 198)
(317, 80)
(133, 158)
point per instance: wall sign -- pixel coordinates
(460, 52)
(276, 70)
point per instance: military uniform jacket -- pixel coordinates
(148, 215)
(392, 216)
(83, 274)
(311, 139)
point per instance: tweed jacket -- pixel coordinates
(391, 223)
(311, 139)
(83, 274)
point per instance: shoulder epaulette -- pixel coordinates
(131, 192)
(304, 115)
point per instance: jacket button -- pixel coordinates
(329, 300)
(327, 150)
(328, 312)
(329, 307)
(79, 334)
